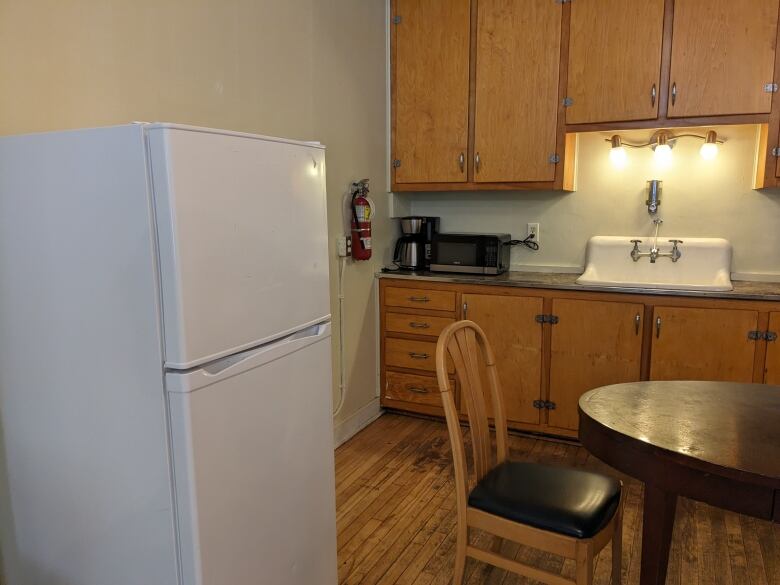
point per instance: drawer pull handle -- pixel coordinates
(418, 356)
(419, 299)
(658, 328)
(417, 390)
(637, 322)
(414, 325)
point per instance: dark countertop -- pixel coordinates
(743, 289)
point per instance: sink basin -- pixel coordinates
(704, 264)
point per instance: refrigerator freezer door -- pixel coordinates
(254, 467)
(242, 232)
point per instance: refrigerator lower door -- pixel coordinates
(254, 465)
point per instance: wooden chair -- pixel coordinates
(567, 512)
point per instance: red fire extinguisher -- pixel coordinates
(361, 221)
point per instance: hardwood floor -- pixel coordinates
(396, 518)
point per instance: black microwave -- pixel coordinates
(470, 253)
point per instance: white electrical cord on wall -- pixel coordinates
(342, 368)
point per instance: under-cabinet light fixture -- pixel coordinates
(662, 143)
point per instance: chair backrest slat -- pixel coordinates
(464, 342)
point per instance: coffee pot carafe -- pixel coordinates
(413, 248)
(409, 252)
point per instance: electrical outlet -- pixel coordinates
(533, 230)
(341, 246)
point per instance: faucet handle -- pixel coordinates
(675, 242)
(636, 241)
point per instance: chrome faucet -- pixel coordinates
(654, 253)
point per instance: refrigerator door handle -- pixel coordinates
(191, 380)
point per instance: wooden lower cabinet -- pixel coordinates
(554, 345)
(594, 343)
(703, 344)
(772, 363)
(510, 325)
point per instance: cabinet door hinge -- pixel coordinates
(770, 87)
(396, 163)
(551, 319)
(396, 19)
(568, 102)
(554, 158)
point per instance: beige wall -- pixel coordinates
(308, 69)
(700, 199)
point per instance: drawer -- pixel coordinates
(412, 388)
(412, 354)
(416, 324)
(418, 298)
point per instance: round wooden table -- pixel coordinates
(716, 442)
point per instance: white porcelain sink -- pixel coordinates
(704, 264)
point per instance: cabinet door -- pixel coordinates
(430, 90)
(594, 344)
(702, 344)
(516, 338)
(723, 53)
(772, 364)
(518, 56)
(614, 60)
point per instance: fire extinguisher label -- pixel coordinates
(363, 213)
(366, 243)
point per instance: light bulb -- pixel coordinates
(617, 153)
(663, 155)
(709, 150)
(618, 157)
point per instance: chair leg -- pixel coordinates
(584, 563)
(617, 547)
(460, 553)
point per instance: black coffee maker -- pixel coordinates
(413, 248)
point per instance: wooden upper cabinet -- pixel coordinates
(516, 338)
(516, 103)
(430, 69)
(614, 60)
(723, 54)
(594, 343)
(703, 344)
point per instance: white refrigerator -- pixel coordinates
(165, 369)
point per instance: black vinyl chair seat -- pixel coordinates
(566, 501)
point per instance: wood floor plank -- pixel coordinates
(396, 518)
